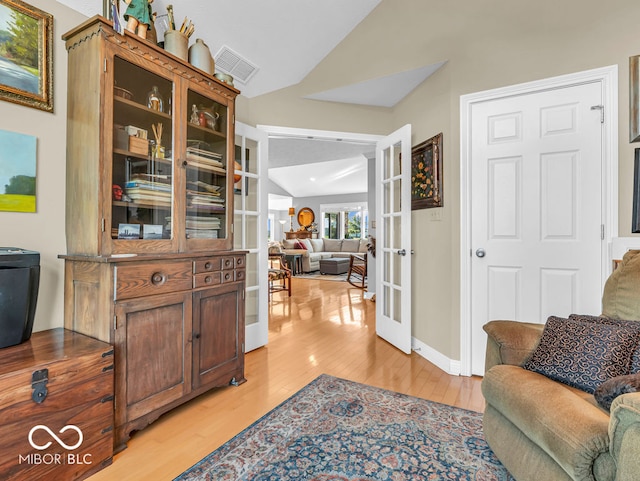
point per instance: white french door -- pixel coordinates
(250, 228)
(393, 250)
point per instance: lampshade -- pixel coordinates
(292, 211)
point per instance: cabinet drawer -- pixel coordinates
(205, 279)
(209, 264)
(136, 280)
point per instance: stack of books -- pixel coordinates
(204, 196)
(198, 227)
(205, 159)
(148, 189)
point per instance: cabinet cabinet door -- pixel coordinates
(208, 196)
(140, 163)
(153, 349)
(218, 335)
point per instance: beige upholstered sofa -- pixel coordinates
(545, 430)
(316, 249)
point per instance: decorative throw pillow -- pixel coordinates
(620, 298)
(299, 245)
(612, 388)
(582, 354)
(635, 357)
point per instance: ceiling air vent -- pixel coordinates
(234, 64)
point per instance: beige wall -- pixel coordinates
(44, 230)
(487, 44)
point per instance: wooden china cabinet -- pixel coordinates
(149, 266)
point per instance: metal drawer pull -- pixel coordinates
(207, 280)
(207, 265)
(158, 278)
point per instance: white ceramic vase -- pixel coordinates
(200, 56)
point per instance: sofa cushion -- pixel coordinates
(332, 245)
(564, 422)
(300, 245)
(635, 357)
(317, 244)
(289, 243)
(350, 245)
(620, 298)
(582, 354)
(612, 388)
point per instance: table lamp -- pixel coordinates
(292, 212)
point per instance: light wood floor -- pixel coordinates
(324, 327)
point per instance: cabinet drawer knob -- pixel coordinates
(207, 280)
(227, 263)
(227, 276)
(207, 265)
(157, 278)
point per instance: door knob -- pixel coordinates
(480, 252)
(402, 252)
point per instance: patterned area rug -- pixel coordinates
(338, 430)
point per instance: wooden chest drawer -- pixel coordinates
(149, 278)
(56, 407)
(211, 264)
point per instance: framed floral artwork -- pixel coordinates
(426, 174)
(26, 63)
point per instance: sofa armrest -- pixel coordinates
(624, 433)
(510, 342)
(303, 252)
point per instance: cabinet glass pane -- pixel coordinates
(142, 167)
(206, 168)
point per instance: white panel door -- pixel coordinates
(536, 208)
(250, 228)
(393, 249)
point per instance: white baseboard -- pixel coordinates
(449, 366)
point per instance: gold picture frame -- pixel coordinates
(426, 174)
(634, 99)
(26, 51)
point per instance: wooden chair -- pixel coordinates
(357, 274)
(279, 274)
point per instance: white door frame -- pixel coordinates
(608, 78)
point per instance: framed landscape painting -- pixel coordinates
(426, 174)
(17, 172)
(26, 63)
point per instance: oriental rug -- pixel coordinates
(338, 430)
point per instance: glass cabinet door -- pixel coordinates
(206, 170)
(141, 167)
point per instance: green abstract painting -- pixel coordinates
(17, 172)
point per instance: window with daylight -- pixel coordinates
(350, 221)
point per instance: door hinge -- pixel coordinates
(115, 322)
(601, 109)
(105, 65)
(103, 224)
(601, 231)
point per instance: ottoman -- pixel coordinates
(337, 265)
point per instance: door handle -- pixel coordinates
(480, 252)
(402, 252)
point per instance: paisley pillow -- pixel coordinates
(582, 354)
(635, 357)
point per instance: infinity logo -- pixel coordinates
(58, 440)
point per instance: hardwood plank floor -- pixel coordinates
(324, 327)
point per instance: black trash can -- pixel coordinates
(19, 282)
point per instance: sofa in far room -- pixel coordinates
(562, 400)
(314, 250)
